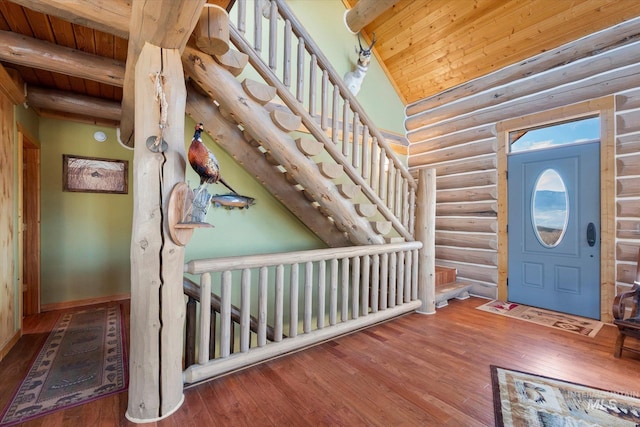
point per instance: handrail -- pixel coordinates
(384, 180)
(212, 265)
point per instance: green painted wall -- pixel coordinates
(86, 236)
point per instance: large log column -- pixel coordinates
(426, 233)
(157, 308)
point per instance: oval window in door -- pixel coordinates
(550, 208)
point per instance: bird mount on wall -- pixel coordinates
(188, 208)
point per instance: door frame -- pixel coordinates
(604, 108)
(28, 223)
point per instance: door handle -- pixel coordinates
(591, 234)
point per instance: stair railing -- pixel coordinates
(341, 124)
(311, 295)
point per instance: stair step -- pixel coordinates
(330, 170)
(445, 275)
(233, 61)
(349, 191)
(259, 92)
(286, 121)
(457, 290)
(381, 227)
(366, 209)
(310, 147)
(212, 32)
(395, 239)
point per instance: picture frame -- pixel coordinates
(94, 174)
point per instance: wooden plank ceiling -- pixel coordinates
(428, 46)
(425, 46)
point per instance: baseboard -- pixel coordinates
(7, 348)
(83, 302)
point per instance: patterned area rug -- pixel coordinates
(522, 399)
(566, 322)
(83, 359)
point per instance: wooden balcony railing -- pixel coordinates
(296, 299)
(308, 85)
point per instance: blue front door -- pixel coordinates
(554, 228)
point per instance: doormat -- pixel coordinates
(522, 399)
(566, 322)
(82, 360)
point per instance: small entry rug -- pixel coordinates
(566, 322)
(521, 399)
(82, 360)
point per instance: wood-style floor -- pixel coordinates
(416, 370)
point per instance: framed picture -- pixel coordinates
(94, 175)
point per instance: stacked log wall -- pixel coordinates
(455, 133)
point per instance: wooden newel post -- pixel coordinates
(157, 307)
(426, 233)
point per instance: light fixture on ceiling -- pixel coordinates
(100, 136)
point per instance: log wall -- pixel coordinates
(456, 132)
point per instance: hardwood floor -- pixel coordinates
(414, 370)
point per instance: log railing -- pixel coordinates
(309, 86)
(307, 297)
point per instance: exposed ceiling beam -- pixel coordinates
(364, 12)
(23, 50)
(164, 23)
(110, 16)
(68, 102)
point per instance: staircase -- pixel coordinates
(448, 286)
(340, 177)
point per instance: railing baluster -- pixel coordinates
(400, 279)
(225, 315)
(278, 309)
(407, 276)
(308, 297)
(286, 62)
(313, 68)
(375, 283)
(366, 270)
(300, 71)
(293, 301)
(205, 317)
(335, 133)
(383, 175)
(365, 152)
(245, 310)
(355, 160)
(262, 306)
(375, 167)
(322, 273)
(324, 118)
(384, 281)
(393, 279)
(242, 16)
(344, 287)
(346, 109)
(273, 35)
(355, 287)
(257, 26)
(333, 298)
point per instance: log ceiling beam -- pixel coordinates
(30, 52)
(164, 23)
(110, 16)
(50, 99)
(364, 12)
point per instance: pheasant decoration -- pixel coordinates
(204, 162)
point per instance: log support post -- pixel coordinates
(157, 308)
(425, 233)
